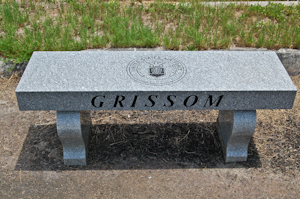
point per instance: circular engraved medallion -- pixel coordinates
(156, 70)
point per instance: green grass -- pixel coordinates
(72, 25)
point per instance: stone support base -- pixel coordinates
(73, 130)
(235, 130)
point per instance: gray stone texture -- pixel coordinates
(8, 68)
(68, 81)
(235, 129)
(73, 130)
(289, 58)
(78, 101)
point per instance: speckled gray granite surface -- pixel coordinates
(88, 71)
(290, 58)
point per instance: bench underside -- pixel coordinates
(235, 129)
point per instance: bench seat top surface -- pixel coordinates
(132, 71)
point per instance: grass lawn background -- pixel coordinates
(27, 26)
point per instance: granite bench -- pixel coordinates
(235, 83)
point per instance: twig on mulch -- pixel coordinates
(117, 143)
(185, 136)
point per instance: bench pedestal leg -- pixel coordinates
(235, 130)
(73, 130)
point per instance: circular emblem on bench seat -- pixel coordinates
(156, 70)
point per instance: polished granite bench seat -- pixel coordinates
(236, 83)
